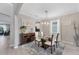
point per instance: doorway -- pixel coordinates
(4, 36)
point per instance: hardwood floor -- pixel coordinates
(4, 44)
(70, 50)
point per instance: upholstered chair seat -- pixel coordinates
(49, 43)
(38, 39)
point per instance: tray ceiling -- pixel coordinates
(37, 10)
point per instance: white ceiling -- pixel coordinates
(37, 10)
(6, 8)
(10, 8)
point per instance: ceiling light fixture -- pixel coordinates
(46, 13)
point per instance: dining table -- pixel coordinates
(43, 40)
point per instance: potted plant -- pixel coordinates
(23, 29)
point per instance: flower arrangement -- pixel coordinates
(23, 29)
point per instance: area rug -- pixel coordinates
(33, 49)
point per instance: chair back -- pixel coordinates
(52, 39)
(57, 36)
(41, 34)
(36, 35)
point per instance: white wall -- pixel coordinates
(29, 22)
(45, 28)
(5, 19)
(67, 29)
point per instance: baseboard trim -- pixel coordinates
(12, 46)
(15, 47)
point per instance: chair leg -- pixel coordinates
(54, 47)
(57, 43)
(45, 46)
(38, 44)
(51, 50)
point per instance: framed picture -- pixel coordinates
(1, 30)
(4, 29)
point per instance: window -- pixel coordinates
(54, 27)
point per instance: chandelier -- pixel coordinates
(46, 13)
(46, 17)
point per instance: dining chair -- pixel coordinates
(53, 42)
(50, 43)
(57, 42)
(38, 37)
